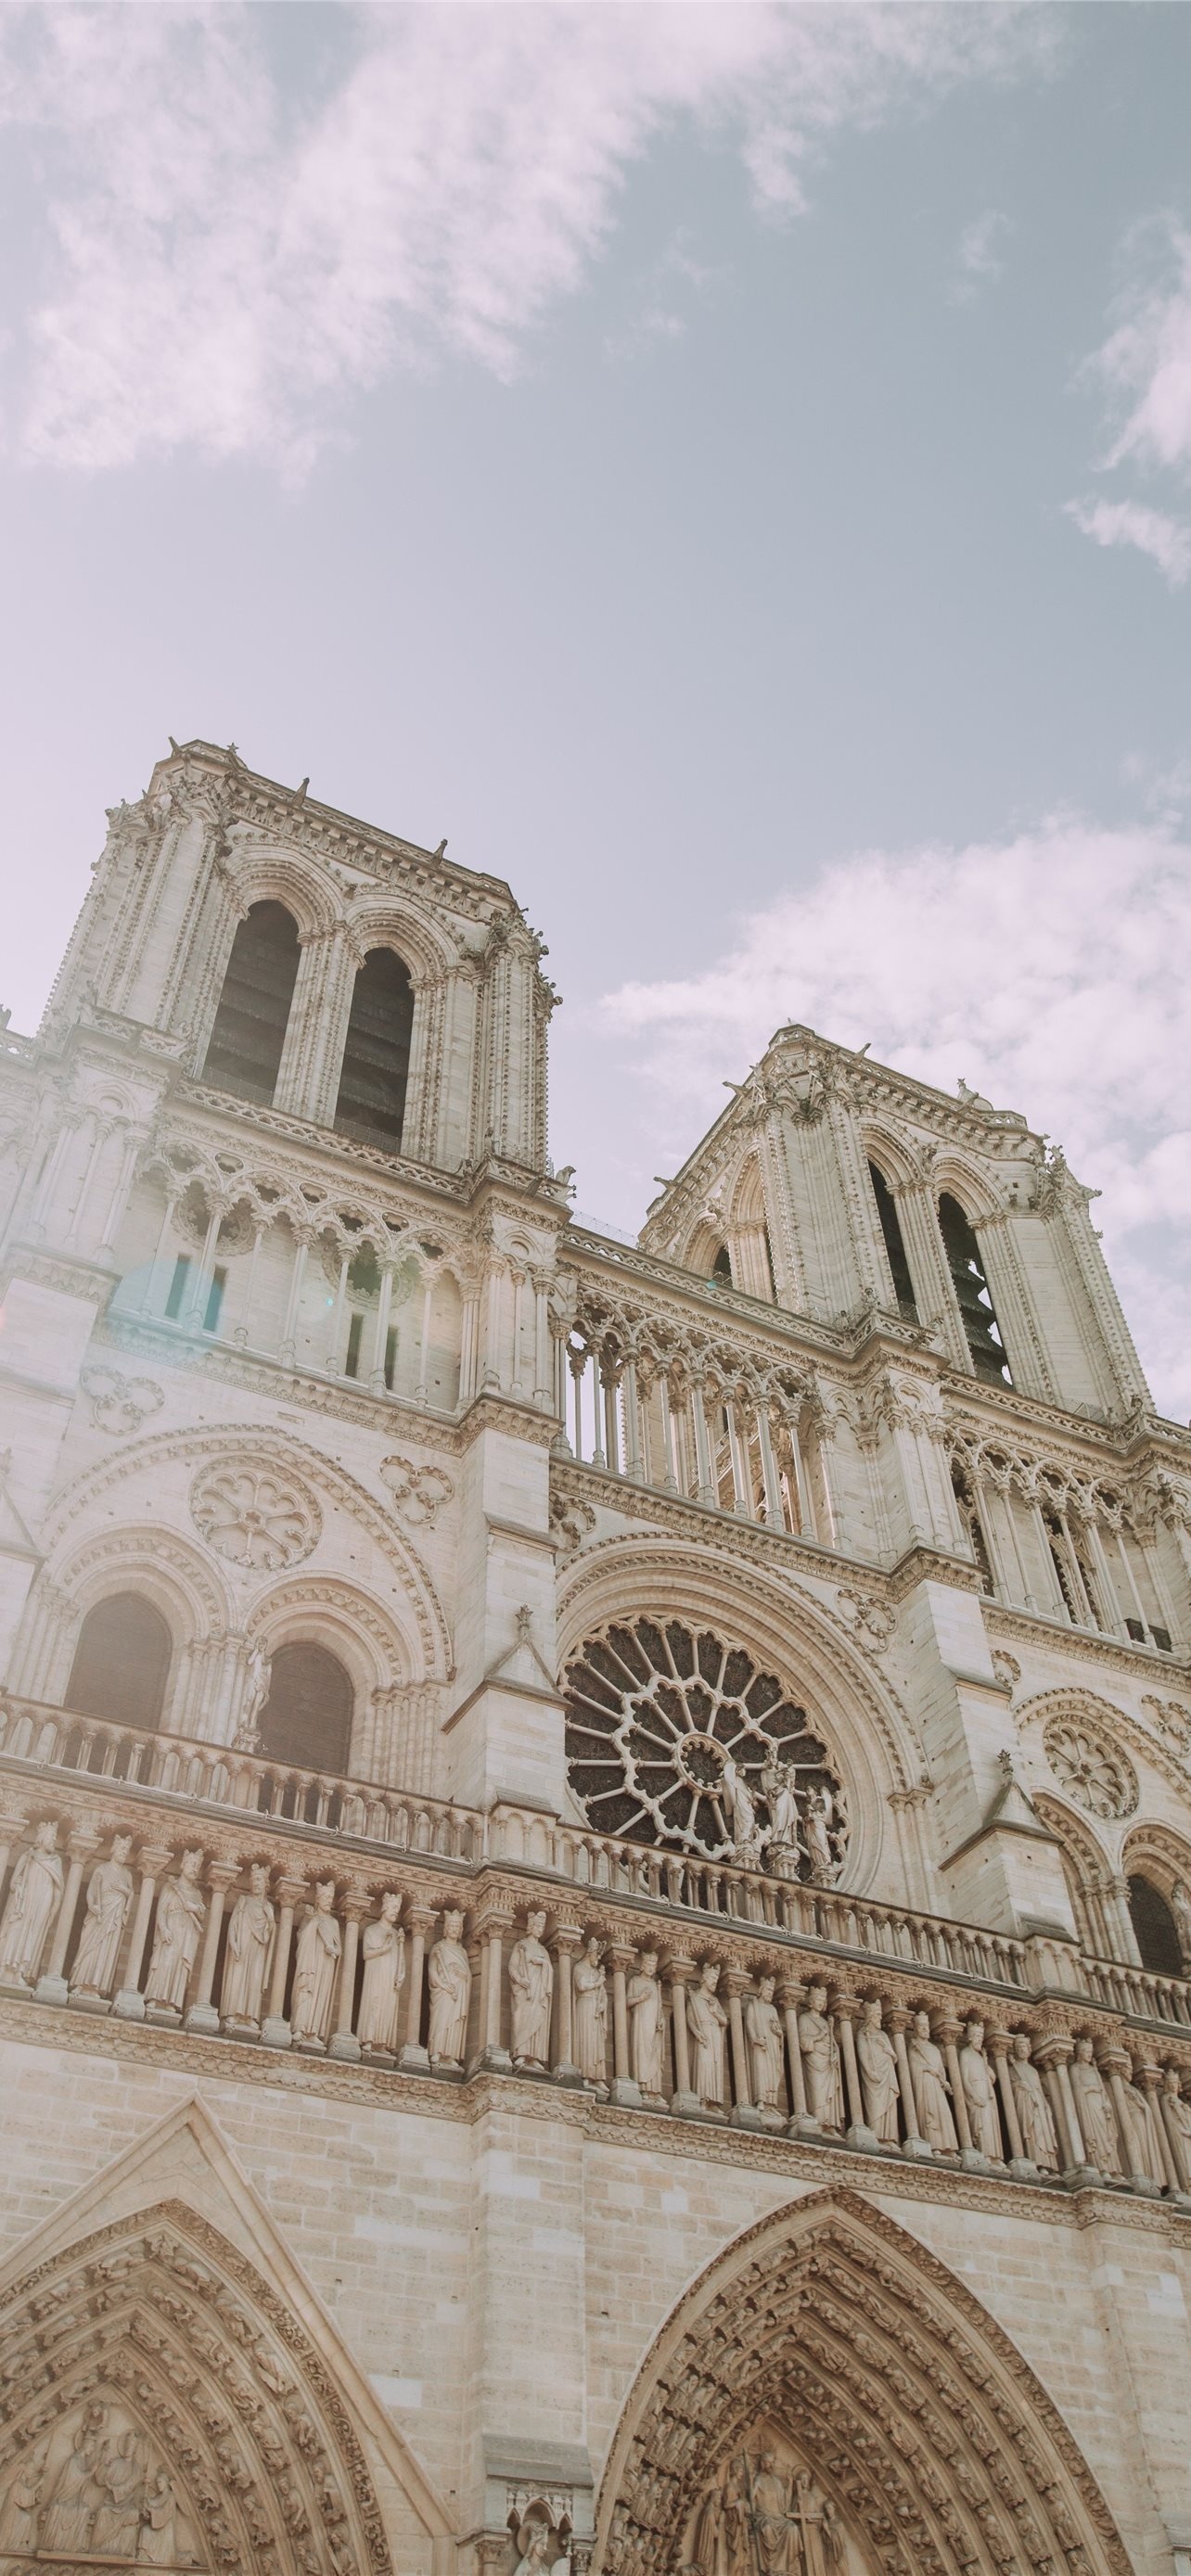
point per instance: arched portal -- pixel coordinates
(121, 1662)
(832, 2340)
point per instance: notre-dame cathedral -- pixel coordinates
(595, 1934)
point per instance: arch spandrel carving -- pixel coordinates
(169, 2385)
(828, 2333)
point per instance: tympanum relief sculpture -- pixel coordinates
(98, 2488)
(766, 2514)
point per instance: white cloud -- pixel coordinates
(1133, 523)
(1146, 361)
(226, 258)
(1053, 972)
(980, 254)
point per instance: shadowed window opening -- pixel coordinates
(970, 1516)
(981, 1329)
(244, 1055)
(891, 1228)
(177, 1287)
(121, 1662)
(372, 1084)
(355, 1334)
(721, 1267)
(307, 1718)
(1154, 1925)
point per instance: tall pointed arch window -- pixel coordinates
(891, 1228)
(982, 1332)
(1155, 1928)
(244, 1054)
(121, 1662)
(375, 1074)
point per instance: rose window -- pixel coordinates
(674, 1737)
(257, 1519)
(1097, 1779)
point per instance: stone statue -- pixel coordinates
(109, 1897)
(707, 2021)
(249, 1950)
(771, 2517)
(746, 1832)
(1146, 2154)
(1094, 2110)
(876, 2058)
(181, 1912)
(824, 1864)
(536, 2546)
(821, 2059)
(156, 2546)
(382, 1944)
(980, 2094)
(812, 2510)
(120, 2480)
(449, 1978)
(259, 1681)
(763, 2031)
(1034, 2118)
(932, 2088)
(531, 1986)
(833, 2536)
(783, 1841)
(34, 1895)
(591, 2013)
(1178, 2116)
(647, 2024)
(19, 2512)
(316, 1959)
(1180, 1906)
(70, 2506)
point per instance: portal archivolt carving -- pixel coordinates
(161, 2406)
(829, 2398)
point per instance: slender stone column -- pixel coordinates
(275, 2030)
(897, 2022)
(164, 1232)
(51, 1986)
(242, 1335)
(422, 1389)
(744, 2114)
(494, 1929)
(153, 1859)
(287, 1351)
(741, 1498)
(376, 1375)
(679, 1972)
(625, 2088)
(118, 1202)
(543, 1391)
(706, 1490)
(221, 1875)
(195, 1307)
(632, 1424)
(335, 1338)
(598, 1411)
(420, 1921)
(577, 1362)
(343, 2042)
(773, 1492)
(568, 1938)
(670, 1481)
(845, 2009)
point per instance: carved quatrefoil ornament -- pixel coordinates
(1097, 1777)
(256, 1518)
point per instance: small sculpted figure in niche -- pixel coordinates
(783, 1841)
(120, 2481)
(34, 1895)
(821, 2060)
(109, 1897)
(316, 1959)
(763, 2031)
(1180, 1906)
(1178, 2115)
(647, 2023)
(932, 2088)
(249, 1951)
(746, 1832)
(819, 1839)
(1094, 2110)
(449, 1977)
(1034, 2119)
(876, 2058)
(707, 2021)
(591, 2013)
(537, 2546)
(980, 2093)
(833, 2536)
(382, 1945)
(260, 1677)
(19, 2512)
(70, 2505)
(181, 1912)
(1147, 2155)
(818, 2530)
(156, 2547)
(531, 1987)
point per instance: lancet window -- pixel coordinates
(375, 1073)
(307, 1717)
(121, 1662)
(977, 1314)
(1155, 1929)
(244, 1053)
(903, 1285)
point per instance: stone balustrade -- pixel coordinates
(235, 1923)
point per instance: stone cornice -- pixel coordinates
(1083, 1646)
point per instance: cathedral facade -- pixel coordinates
(595, 1839)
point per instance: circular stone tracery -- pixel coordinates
(668, 1725)
(257, 1519)
(1098, 1779)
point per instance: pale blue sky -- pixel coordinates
(671, 452)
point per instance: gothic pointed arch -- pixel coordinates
(830, 2327)
(169, 2370)
(247, 1040)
